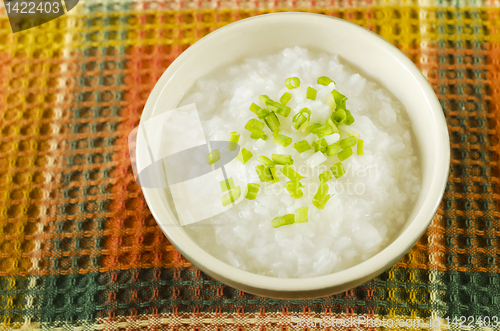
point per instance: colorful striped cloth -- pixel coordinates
(79, 249)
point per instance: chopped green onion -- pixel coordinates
(264, 173)
(231, 196)
(323, 80)
(274, 174)
(347, 142)
(294, 188)
(337, 169)
(234, 137)
(339, 116)
(283, 220)
(227, 184)
(360, 149)
(333, 149)
(265, 161)
(321, 130)
(282, 109)
(254, 124)
(265, 99)
(285, 98)
(299, 119)
(244, 155)
(282, 159)
(349, 119)
(291, 174)
(347, 131)
(272, 121)
(311, 93)
(325, 176)
(251, 191)
(302, 146)
(260, 112)
(301, 215)
(292, 82)
(258, 134)
(213, 156)
(320, 145)
(282, 140)
(332, 125)
(321, 197)
(345, 154)
(336, 100)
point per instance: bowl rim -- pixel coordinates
(255, 283)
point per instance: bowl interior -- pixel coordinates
(375, 58)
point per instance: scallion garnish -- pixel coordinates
(292, 82)
(244, 155)
(213, 156)
(258, 134)
(227, 184)
(325, 176)
(360, 149)
(349, 119)
(294, 188)
(260, 112)
(231, 196)
(274, 174)
(301, 215)
(254, 124)
(234, 137)
(265, 161)
(333, 149)
(282, 140)
(272, 122)
(285, 98)
(337, 169)
(265, 99)
(336, 100)
(302, 146)
(339, 116)
(311, 93)
(320, 145)
(325, 81)
(303, 116)
(347, 142)
(321, 130)
(348, 131)
(282, 159)
(321, 197)
(283, 220)
(345, 154)
(334, 127)
(282, 109)
(291, 174)
(264, 173)
(251, 191)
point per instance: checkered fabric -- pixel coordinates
(79, 248)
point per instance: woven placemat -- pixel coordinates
(79, 249)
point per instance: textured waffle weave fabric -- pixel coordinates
(79, 249)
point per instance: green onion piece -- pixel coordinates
(254, 124)
(336, 100)
(334, 127)
(274, 175)
(282, 109)
(349, 119)
(333, 149)
(283, 220)
(291, 174)
(285, 98)
(323, 80)
(213, 156)
(251, 191)
(303, 116)
(311, 93)
(258, 134)
(264, 173)
(325, 176)
(321, 197)
(337, 169)
(294, 188)
(339, 116)
(292, 82)
(302, 146)
(282, 159)
(234, 137)
(320, 145)
(321, 130)
(301, 215)
(360, 149)
(231, 196)
(347, 131)
(282, 140)
(265, 161)
(227, 184)
(265, 99)
(347, 142)
(272, 122)
(244, 155)
(345, 154)
(260, 112)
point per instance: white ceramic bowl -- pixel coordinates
(375, 57)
